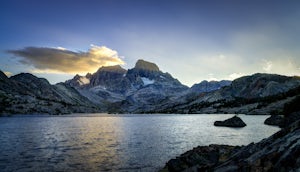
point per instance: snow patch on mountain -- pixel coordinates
(98, 88)
(147, 81)
(83, 80)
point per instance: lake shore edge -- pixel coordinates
(277, 152)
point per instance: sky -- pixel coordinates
(193, 40)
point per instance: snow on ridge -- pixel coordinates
(83, 80)
(147, 81)
(98, 88)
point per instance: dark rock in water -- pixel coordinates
(231, 122)
(274, 120)
(279, 152)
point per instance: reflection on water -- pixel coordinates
(118, 143)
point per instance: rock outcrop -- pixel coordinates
(231, 122)
(144, 65)
(279, 152)
(276, 120)
(290, 111)
(201, 158)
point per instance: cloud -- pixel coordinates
(61, 60)
(285, 65)
(267, 66)
(61, 48)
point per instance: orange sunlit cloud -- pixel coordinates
(61, 60)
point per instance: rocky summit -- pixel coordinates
(144, 65)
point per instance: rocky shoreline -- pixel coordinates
(279, 152)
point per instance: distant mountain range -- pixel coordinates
(255, 94)
(143, 89)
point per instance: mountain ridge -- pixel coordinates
(25, 93)
(144, 89)
(253, 94)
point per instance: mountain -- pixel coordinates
(205, 86)
(27, 94)
(135, 90)
(262, 85)
(150, 88)
(254, 94)
(145, 89)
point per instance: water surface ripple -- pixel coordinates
(94, 142)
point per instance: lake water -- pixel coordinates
(97, 142)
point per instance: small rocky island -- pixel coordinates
(231, 122)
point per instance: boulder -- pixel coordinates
(231, 122)
(274, 120)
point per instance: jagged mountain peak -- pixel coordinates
(145, 65)
(88, 75)
(116, 68)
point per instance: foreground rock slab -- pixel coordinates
(279, 152)
(231, 122)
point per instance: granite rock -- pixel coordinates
(231, 122)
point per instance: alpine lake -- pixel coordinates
(109, 142)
